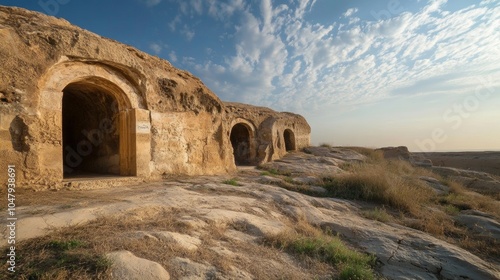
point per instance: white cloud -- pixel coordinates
(188, 60)
(172, 56)
(303, 6)
(282, 60)
(172, 25)
(222, 11)
(188, 33)
(350, 12)
(156, 48)
(197, 6)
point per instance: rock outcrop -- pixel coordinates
(400, 152)
(270, 134)
(222, 225)
(124, 265)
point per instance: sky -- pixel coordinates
(423, 74)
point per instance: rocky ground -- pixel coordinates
(235, 228)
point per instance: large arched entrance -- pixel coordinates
(91, 130)
(240, 140)
(101, 123)
(289, 138)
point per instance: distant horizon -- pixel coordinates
(412, 151)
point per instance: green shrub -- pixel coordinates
(65, 245)
(356, 272)
(378, 214)
(451, 210)
(329, 249)
(232, 182)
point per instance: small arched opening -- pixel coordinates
(90, 130)
(240, 140)
(289, 138)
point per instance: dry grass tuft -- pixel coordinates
(373, 155)
(78, 252)
(378, 214)
(385, 183)
(464, 199)
(395, 186)
(308, 242)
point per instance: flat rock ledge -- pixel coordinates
(126, 266)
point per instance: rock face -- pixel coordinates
(400, 152)
(478, 181)
(127, 266)
(437, 186)
(74, 103)
(260, 135)
(480, 223)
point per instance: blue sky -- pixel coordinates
(424, 74)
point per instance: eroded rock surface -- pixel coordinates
(481, 182)
(479, 223)
(127, 266)
(228, 222)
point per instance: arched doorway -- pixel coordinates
(240, 140)
(97, 99)
(289, 140)
(91, 130)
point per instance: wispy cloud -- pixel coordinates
(156, 48)
(197, 6)
(188, 33)
(350, 12)
(283, 60)
(173, 24)
(223, 10)
(172, 56)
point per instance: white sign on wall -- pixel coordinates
(143, 127)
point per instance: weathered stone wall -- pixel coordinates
(269, 131)
(124, 112)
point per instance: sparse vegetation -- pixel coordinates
(65, 245)
(463, 199)
(378, 214)
(44, 258)
(395, 186)
(310, 242)
(232, 182)
(451, 210)
(273, 171)
(326, 145)
(385, 183)
(78, 252)
(373, 156)
(388, 191)
(270, 172)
